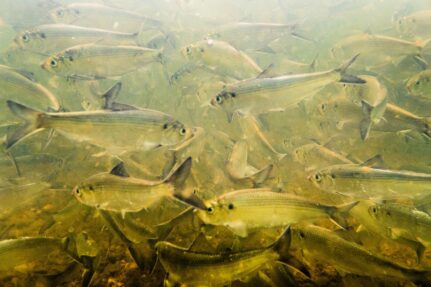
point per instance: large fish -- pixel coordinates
(263, 95)
(346, 256)
(206, 269)
(237, 210)
(93, 61)
(221, 58)
(115, 131)
(102, 16)
(365, 181)
(117, 191)
(53, 38)
(376, 50)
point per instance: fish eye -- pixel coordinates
(90, 187)
(60, 13)
(202, 50)
(165, 126)
(219, 99)
(318, 177)
(230, 206)
(210, 210)
(183, 131)
(374, 210)
(77, 191)
(188, 50)
(53, 63)
(25, 37)
(417, 83)
(233, 95)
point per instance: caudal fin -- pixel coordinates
(32, 123)
(177, 178)
(347, 78)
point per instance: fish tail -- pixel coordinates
(347, 78)
(32, 122)
(177, 178)
(110, 95)
(338, 214)
(282, 244)
(260, 176)
(365, 125)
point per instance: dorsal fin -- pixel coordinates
(119, 170)
(266, 72)
(375, 161)
(110, 95)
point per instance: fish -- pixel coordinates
(365, 180)
(264, 95)
(256, 139)
(399, 119)
(115, 131)
(117, 191)
(53, 38)
(20, 85)
(102, 16)
(376, 50)
(373, 97)
(250, 209)
(315, 156)
(94, 61)
(416, 24)
(193, 268)
(221, 58)
(419, 85)
(403, 221)
(238, 168)
(345, 256)
(18, 254)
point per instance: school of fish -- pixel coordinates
(215, 143)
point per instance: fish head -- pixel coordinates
(226, 101)
(174, 133)
(322, 179)
(64, 15)
(192, 52)
(406, 25)
(27, 39)
(86, 192)
(419, 84)
(57, 64)
(216, 212)
(296, 236)
(378, 211)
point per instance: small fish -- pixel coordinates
(221, 58)
(420, 84)
(93, 61)
(398, 119)
(346, 256)
(238, 168)
(54, 38)
(376, 50)
(20, 85)
(364, 180)
(115, 131)
(263, 95)
(102, 16)
(237, 210)
(315, 156)
(257, 140)
(117, 191)
(220, 269)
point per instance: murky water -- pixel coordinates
(215, 143)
